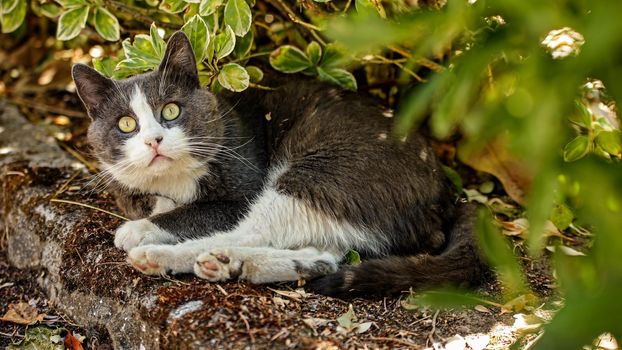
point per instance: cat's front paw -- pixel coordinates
(218, 265)
(138, 232)
(155, 259)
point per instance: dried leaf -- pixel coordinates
(527, 323)
(363, 327)
(519, 303)
(72, 343)
(22, 313)
(295, 295)
(495, 159)
(348, 320)
(482, 308)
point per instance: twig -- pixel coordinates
(421, 61)
(292, 16)
(261, 87)
(88, 206)
(79, 157)
(405, 69)
(142, 15)
(66, 184)
(431, 334)
(533, 341)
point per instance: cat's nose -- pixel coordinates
(154, 142)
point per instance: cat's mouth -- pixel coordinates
(158, 158)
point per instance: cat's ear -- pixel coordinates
(179, 60)
(92, 87)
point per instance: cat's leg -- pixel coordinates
(189, 221)
(274, 220)
(265, 264)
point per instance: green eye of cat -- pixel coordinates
(170, 111)
(127, 124)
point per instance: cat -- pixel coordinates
(270, 186)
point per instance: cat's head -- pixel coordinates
(153, 127)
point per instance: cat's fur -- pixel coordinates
(275, 185)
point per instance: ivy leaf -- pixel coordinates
(338, 76)
(71, 22)
(197, 32)
(244, 44)
(238, 16)
(134, 65)
(105, 66)
(208, 7)
(12, 14)
(173, 6)
(610, 142)
(314, 52)
(7, 6)
(50, 10)
(289, 59)
(69, 4)
(334, 56)
(224, 43)
(254, 73)
(158, 44)
(233, 77)
(106, 24)
(576, 149)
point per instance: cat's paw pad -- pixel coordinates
(148, 259)
(218, 265)
(140, 232)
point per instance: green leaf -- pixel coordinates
(208, 7)
(314, 52)
(238, 16)
(197, 32)
(7, 6)
(12, 15)
(50, 10)
(334, 56)
(233, 77)
(289, 59)
(454, 177)
(255, 74)
(173, 6)
(157, 42)
(576, 149)
(338, 76)
(69, 4)
(610, 142)
(106, 24)
(71, 22)
(562, 216)
(142, 50)
(135, 65)
(104, 65)
(244, 44)
(353, 257)
(224, 43)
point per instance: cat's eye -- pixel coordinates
(127, 124)
(170, 111)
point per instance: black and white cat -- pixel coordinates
(273, 186)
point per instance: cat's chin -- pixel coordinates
(160, 160)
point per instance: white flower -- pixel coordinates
(563, 42)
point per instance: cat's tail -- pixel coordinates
(459, 264)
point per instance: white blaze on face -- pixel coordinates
(175, 178)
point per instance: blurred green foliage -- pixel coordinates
(531, 73)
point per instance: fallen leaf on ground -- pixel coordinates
(482, 308)
(527, 323)
(520, 228)
(22, 313)
(72, 343)
(296, 295)
(495, 159)
(519, 303)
